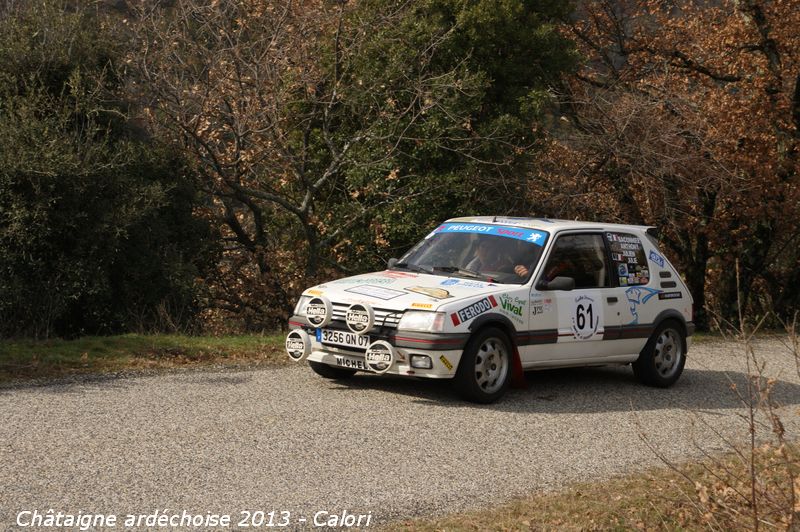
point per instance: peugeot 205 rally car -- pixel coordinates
(482, 297)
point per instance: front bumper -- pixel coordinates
(444, 350)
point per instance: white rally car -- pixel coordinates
(481, 298)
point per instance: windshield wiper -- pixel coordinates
(464, 272)
(412, 267)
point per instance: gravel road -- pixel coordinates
(285, 439)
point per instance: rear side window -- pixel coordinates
(628, 259)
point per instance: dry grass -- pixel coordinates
(755, 485)
(29, 359)
(691, 496)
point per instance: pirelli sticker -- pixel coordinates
(471, 311)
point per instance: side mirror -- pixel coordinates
(559, 283)
(391, 263)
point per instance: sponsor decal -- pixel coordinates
(513, 306)
(365, 280)
(399, 275)
(624, 239)
(475, 309)
(352, 363)
(319, 311)
(468, 284)
(377, 292)
(379, 356)
(586, 317)
(436, 293)
(655, 257)
(446, 363)
(314, 292)
(638, 295)
(629, 258)
(670, 295)
(298, 345)
(359, 318)
(422, 305)
(540, 306)
(519, 233)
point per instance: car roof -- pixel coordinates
(545, 224)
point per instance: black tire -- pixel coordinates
(330, 372)
(661, 361)
(475, 380)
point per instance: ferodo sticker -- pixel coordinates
(447, 363)
(379, 356)
(359, 318)
(475, 309)
(298, 345)
(319, 311)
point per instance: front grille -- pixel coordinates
(383, 317)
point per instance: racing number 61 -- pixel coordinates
(580, 316)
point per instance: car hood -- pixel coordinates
(397, 290)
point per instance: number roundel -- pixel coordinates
(586, 317)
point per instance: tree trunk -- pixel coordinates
(312, 261)
(696, 280)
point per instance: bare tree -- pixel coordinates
(684, 111)
(275, 106)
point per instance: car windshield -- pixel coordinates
(486, 252)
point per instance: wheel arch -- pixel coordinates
(670, 314)
(495, 320)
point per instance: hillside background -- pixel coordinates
(191, 166)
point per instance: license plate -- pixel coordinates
(343, 339)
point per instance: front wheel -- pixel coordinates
(330, 372)
(485, 367)
(661, 361)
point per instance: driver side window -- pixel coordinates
(581, 257)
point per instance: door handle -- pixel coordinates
(612, 299)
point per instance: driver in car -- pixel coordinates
(491, 256)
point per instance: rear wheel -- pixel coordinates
(330, 372)
(484, 370)
(661, 361)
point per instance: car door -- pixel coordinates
(569, 325)
(642, 297)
